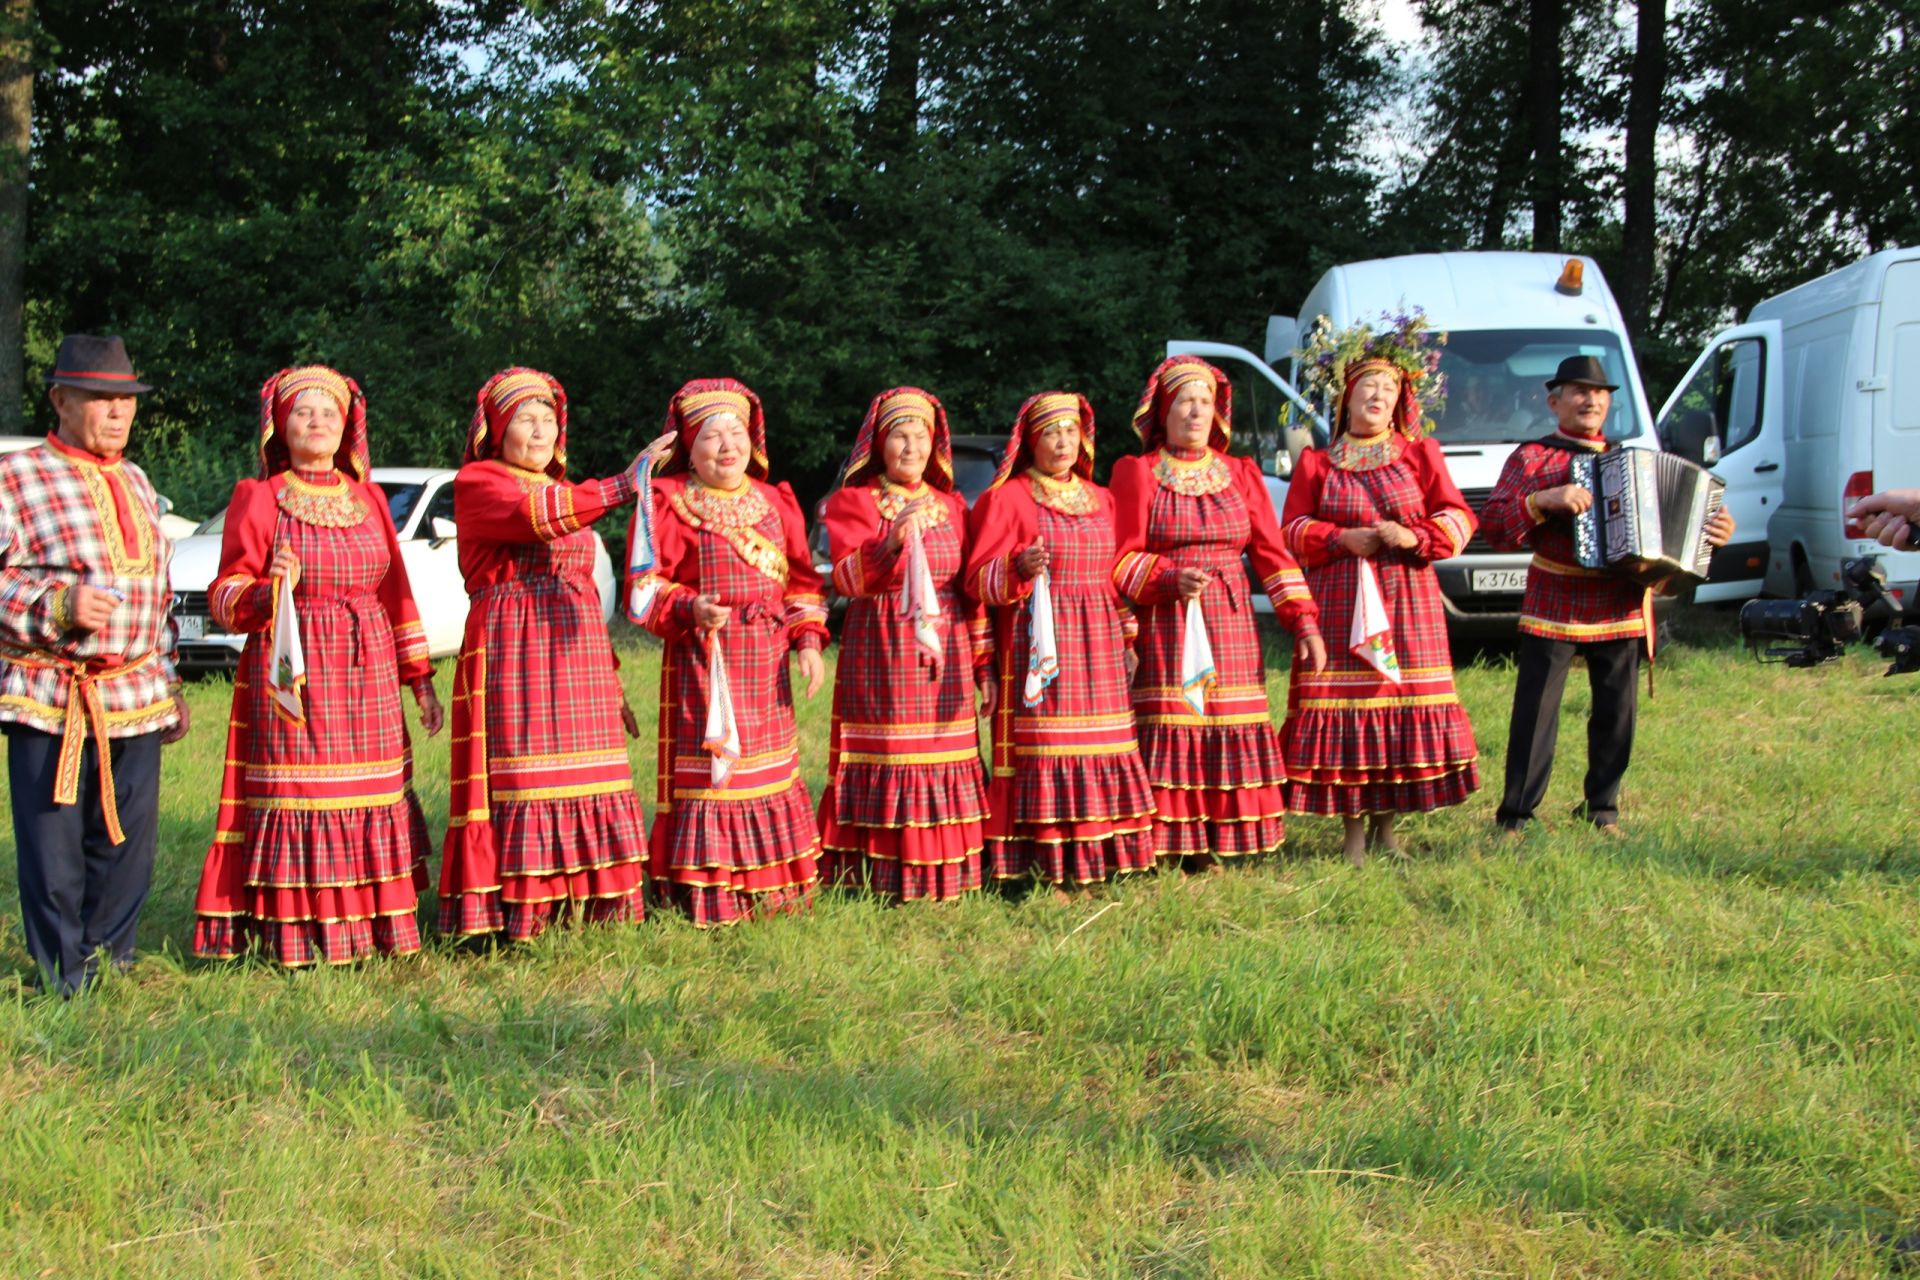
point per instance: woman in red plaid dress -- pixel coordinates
(321, 848)
(733, 831)
(1360, 743)
(905, 799)
(544, 821)
(1187, 512)
(1070, 800)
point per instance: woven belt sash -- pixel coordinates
(83, 698)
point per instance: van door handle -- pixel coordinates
(1766, 466)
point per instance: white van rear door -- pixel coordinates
(1729, 413)
(1895, 412)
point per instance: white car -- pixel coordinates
(421, 502)
(175, 527)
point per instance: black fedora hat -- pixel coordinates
(94, 364)
(1582, 369)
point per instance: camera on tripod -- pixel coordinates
(1820, 625)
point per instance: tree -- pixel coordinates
(196, 176)
(1515, 91)
(1634, 282)
(16, 143)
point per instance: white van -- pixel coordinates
(1820, 388)
(1510, 318)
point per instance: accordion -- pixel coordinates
(1648, 521)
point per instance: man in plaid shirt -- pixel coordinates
(87, 687)
(1568, 610)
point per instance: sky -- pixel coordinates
(1402, 26)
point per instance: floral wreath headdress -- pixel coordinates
(1332, 360)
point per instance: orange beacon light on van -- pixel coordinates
(1571, 278)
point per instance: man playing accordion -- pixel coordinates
(1569, 610)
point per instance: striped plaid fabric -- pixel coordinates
(905, 801)
(67, 518)
(545, 823)
(320, 843)
(1563, 601)
(732, 853)
(566, 822)
(1217, 777)
(1070, 801)
(1355, 742)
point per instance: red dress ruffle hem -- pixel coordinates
(1070, 800)
(905, 806)
(1218, 777)
(747, 847)
(1356, 742)
(544, 825)
(321, 848)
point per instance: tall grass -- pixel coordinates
(1691, 1052)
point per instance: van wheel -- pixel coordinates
(1802, 572)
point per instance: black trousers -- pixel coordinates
(79, 891)
(1613, 667)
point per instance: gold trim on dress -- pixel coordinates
(735, 516)
(528, 478)
(325, 506)
(1071, 496)
(892, 498)
(571, 792)
(1370, 454)
(1196, 478)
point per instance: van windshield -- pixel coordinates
(1496, 383)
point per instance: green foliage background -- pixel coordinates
(829, 197)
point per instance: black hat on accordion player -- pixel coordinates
(1586, 370)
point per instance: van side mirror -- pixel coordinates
(1691, 433)
(444, 531)
(1281, 334)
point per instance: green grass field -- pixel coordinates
(1692, 1052)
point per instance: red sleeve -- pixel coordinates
(806, 593)
(396, 597)
(863, 563)
(492, 503)
(1140, 575)
(241, 598)
(668, 592)
(1278, 571)
(1129, 621)
(1311, 540)
(1509, 516)
(1002, 525)
(1449, 521)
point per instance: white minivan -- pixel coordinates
(1510, 318)
(1820, 388)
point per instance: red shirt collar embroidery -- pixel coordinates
(82, 455)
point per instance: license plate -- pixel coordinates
(1499, 580)
(192, 626)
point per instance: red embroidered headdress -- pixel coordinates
(700, 401)
(277, 397)
(1035, 416)
(493, 410)
(1175, 372)
(888, 410)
